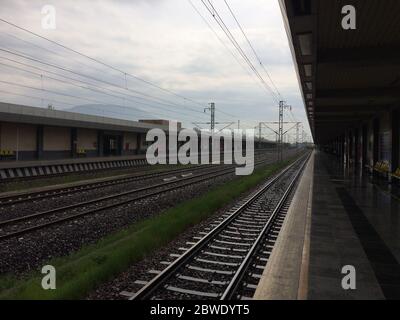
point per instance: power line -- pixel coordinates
(252, 48)
(32, 97)
(101, 62)
(89, 77)
(48, 50)
(220, 40)
(63, 94)
(87, 88)
(232, 39)
(226, 47)
(27, 57)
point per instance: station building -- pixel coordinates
(29, 133)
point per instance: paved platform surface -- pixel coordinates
(285, 276)
(351, 222)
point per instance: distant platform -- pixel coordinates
(39, 168)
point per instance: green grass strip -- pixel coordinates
(81, 272)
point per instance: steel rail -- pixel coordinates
(147, 291)
(203, 177)
(240, 273)
(37, 195)
(43, 194)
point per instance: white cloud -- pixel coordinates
(166, 42)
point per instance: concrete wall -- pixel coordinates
(398, 121)
(143, 144)
(385, 137)
(129, 145)
(56, 142)
(87, 140)
(19, 138)
(370, 144)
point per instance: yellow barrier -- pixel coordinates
(6, 153)
(382, 166)
(396, 174)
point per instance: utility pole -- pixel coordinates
(259, 135)
(212, 123)
(282, 106)
(298, 134)
(280, 130)
(212, 109)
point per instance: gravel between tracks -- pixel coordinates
(20, 255)
(139, 271)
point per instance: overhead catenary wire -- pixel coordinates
(277, 95)
(124, 73)
(25, 56)
(101, 62)
(33, 97)
(234, 42)
(92, 89)
(254, 51)
(28, 57)
(61, 94)
(89, 77)
(58, 101)
(222, 42)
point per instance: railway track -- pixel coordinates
(38, 195)
(31, 222)
(54, 192)
(227, 262)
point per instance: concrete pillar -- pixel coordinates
(100, 143)
(395, 139)
(356, 147)
(39, 142)
(364, 152)
(138, 144)
(119, 144)
(74, 142)
(351, 146)
(375, 156)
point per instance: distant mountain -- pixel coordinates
(111, 111)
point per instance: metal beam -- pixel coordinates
(359, 93)
(360, 57)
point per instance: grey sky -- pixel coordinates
(163, 41)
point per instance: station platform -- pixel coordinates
(28, 169)
(338, 218)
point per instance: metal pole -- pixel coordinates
(212, 116)
(17, 153)
(281, 104)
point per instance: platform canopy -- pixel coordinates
(33, 115)
(346, 76)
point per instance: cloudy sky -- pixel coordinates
(165, 42)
